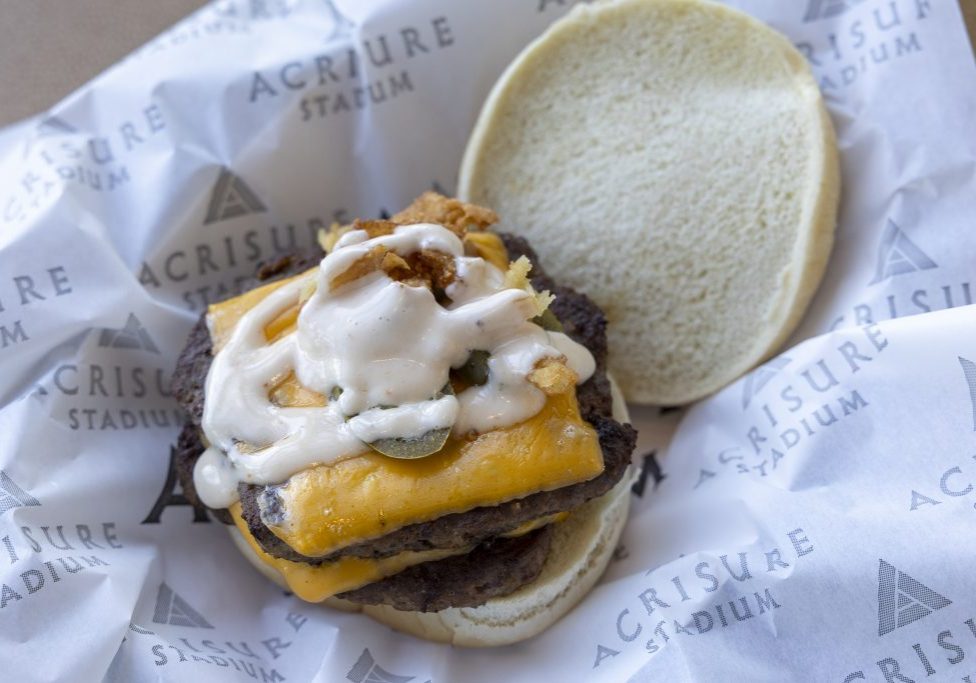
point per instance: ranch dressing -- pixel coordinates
(389, 347)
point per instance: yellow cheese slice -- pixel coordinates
(315, 583)
(489, 247)
(538, 523)
(290, 393)
(224, 315)
(331, 506)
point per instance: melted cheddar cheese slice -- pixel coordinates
(222, 316)
(315, 583)
(488, 246)
(369, 495)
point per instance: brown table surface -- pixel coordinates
(50, 47)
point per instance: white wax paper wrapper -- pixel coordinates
(815, 518)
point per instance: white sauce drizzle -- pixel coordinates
(389, 347)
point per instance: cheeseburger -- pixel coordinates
(415, 423)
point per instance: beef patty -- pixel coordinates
(497, 566)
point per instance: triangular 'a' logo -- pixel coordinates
(12, 496)
(132, 335)
(651, 468)
(55, 125)
(366, 670)
(342, 25)
(231, 197)
(969, 372)
(903, 599)
(759, 377)
(172, 609)
(822, 9)
(898, 255)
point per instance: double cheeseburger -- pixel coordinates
(414, 422)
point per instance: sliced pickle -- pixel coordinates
(474, 372)
(548, 321)
(419, 446)
(411, 449)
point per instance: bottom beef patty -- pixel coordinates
(496, 567)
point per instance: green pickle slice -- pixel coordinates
(474, 372)
(419, 446)
(548, 321)
(411, 449)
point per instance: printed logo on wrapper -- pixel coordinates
(366, 670)
(24, 292)
(40, 557)
(170, 497)
(257, 660)
(650, 468)
(13, 496)
(823, 9)
(898, 255)
(929, 655)
(956, 484)
(864, 36)
(119, 383)
(132, 335)
(903, 600)
(220, 18)
(342, 25)
(969, 372)
(353, 75)
(650, 472)
(231, 197)
(63, 155)
(900, 261)
(799, 404)
(545, 5)
(172, 609)
(237, 239)
(656, 614)
(54, 125)
(759, 377)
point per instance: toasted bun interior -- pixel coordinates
(676, 160)
(581, 549)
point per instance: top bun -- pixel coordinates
(677, 162)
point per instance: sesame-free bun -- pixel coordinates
(676, 161)
(582, 546)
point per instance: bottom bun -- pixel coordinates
(582, 546)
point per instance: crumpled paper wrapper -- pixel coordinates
(812, 521)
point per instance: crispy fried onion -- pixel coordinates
(553, 376)
(434, 270)
(453, 214)
(428, 268)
